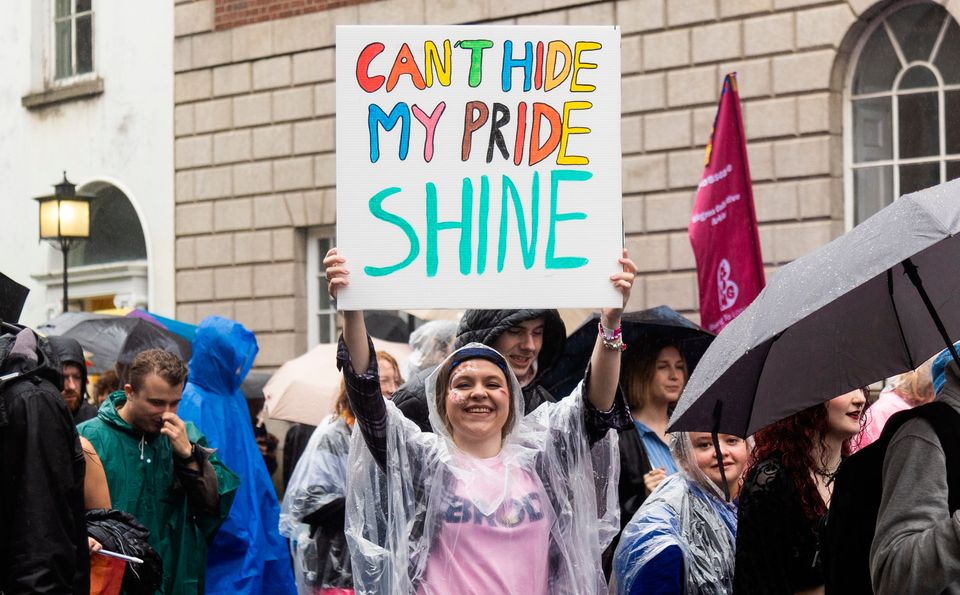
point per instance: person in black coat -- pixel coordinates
(530, 341)
(43, 536)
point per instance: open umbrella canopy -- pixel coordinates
(12, 298)
(109, 339)
(660, 323)
(184, 329)
(844, 316)
(305, 389)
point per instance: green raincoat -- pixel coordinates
(144, 482)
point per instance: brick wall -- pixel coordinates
(255, 136)
(234, 13)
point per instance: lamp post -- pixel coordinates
(64, 221)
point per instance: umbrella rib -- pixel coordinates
(896, 315)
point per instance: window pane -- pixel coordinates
(878, 65)
(953, 170)
(919, 176)
(951, 111)
(63, 8)
(919, 128)
(872, 190)
(947, 56)
(328, 328)
(873, 129)
(323, 302)
(84, 44)
(916, 29)
(918, 77)
(83, 5)
(64, 66)
(115, 231)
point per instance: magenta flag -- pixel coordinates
(723, 226)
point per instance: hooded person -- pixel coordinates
(160, 469)
(73, 367)
(494, 501)
(683, 538)
(43, 536)
(531, 341)
(247, 555)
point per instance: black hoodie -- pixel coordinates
(43, 536)
(485, 326)
(69, 351)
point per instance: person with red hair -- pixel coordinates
(787, 492)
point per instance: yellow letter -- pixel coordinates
(582, 46)
(566, 131)
(553, 79)
(433, 63)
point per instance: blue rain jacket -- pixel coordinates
(247, 555)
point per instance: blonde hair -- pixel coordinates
(639, 368)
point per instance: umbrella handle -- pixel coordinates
(715, 435)
(911, 271)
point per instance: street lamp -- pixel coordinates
(64, 221)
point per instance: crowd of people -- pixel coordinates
(469, 476)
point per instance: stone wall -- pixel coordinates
(255, 130)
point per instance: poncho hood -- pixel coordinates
(223, 353)
(466, 353)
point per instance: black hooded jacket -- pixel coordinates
(485, 326)
(43, 536)
(69, 351)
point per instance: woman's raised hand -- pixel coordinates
(623, 281)
(336, 269)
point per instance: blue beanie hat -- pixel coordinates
(939, 368)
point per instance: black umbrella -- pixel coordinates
(875, 302)
(656, 324)
(12, 297)
(112, 339)
(386, 326)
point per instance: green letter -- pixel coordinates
(464, 225)
(376, 208)
(563, 262)
(528, 249)
(476, 47)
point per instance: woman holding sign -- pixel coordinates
(494, 502)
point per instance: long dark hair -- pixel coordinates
(639, 368)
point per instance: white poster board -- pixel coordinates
(478, 167)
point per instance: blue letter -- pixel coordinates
(509, 63)
(464, 225)
(377, 116)
(563, 262)
(376, 207)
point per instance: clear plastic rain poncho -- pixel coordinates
(430, 344)
(686, 512)
(413, 526)
(320, 555)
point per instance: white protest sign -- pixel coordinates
(478, 167)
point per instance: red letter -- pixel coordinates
(369, 83)
(538, 154)
(470, 125)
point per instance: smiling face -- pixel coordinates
(389, 377)
(521, 345)
(145, 407)
(477, 403)
(844, 413)
(669, 375)
(733, 451)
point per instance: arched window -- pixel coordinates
(115, 231)
(905, 107)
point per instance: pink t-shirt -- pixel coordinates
(888, 403)
(506, 552)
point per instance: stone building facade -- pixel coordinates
(255, 135)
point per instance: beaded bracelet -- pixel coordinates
(612, 338)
